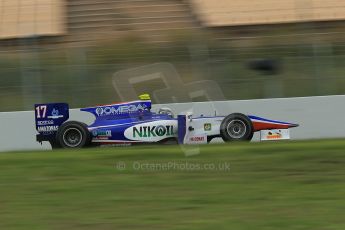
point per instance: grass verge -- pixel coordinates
(286, 185)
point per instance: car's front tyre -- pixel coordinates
(73, 134)
(236, 127)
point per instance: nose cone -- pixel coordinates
(260, 123)
(293, 125)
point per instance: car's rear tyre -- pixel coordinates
(236, 127)
(73, 134)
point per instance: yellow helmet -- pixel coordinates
(145, 96)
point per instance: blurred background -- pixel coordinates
(70, 50)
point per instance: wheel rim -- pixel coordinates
(236, 129)
(72, 137)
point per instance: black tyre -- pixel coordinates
(73, 134)
(236, 127)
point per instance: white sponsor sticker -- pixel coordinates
(275, 134)
(196, 139)
(152, 131)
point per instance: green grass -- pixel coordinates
(286, 185)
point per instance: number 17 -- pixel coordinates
(39, 109)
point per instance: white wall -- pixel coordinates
(319, 117)
(18, 130)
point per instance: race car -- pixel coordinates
(133, 122)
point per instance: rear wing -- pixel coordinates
(49, 117)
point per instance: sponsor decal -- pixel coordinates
(55, 114)
(101, 133)
(153, 131)
(197, 139)
(48, 128)
(47, 122)
(114, 110)
(207, 126)
(274, 135)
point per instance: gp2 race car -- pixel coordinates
(133, 122)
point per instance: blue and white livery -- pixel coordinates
(134, 122)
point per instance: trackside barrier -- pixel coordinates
(319, 117)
